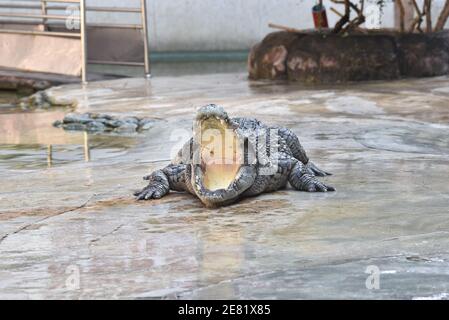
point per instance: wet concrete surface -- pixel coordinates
(73, 230)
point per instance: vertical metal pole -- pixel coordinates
(49, 155)
(146, 48)
(44, 12)
(86, 147)
(83, 41)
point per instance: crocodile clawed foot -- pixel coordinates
(309, 183)
(312, 169)
(318, 186)
(157, 187)
(150, 192)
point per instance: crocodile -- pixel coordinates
(228, 159)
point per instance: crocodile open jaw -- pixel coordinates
(221, 153)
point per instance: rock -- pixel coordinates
(127, 127)
(313, 57)
(23, 105)
(57, 123)
(331, 58)
(267, 60)
(39, 100)
(423, 55)
(40, 85)
(146, 124)
(114, 123)
(77, 118)
(94, 122)
(74, 127)
(101, 116)
(133, 120)
(95, 126)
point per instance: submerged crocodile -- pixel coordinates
(232, 158)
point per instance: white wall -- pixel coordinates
(192, 25)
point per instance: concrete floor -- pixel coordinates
(73, 230)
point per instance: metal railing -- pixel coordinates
(57, 5)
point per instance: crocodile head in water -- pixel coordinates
(220, 172)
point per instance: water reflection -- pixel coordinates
(29, 140)
(177, 68)
(86, 150)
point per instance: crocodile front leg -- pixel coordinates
(302, 180)
(293, 143)
(162, 181)
(299, 153)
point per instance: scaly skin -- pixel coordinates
(288, 164)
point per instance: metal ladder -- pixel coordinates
(51, 5)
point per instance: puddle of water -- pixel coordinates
(175, 68)
(353, 105)
(7, 99)
(414, 138)
(28, 140)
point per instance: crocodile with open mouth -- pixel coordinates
(228, 159)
